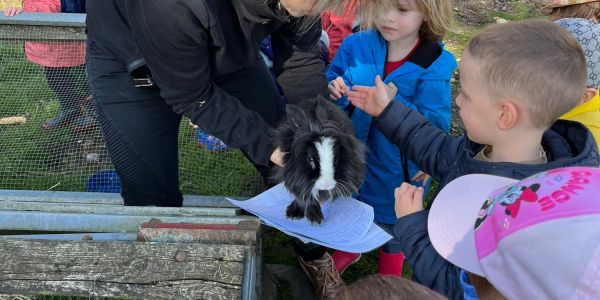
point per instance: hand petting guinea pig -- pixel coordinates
(322, 159)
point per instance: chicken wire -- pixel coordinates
(37, 153)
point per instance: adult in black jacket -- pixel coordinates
(151, 61)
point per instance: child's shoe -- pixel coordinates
(390, 263)
(324, 277)
(342, 260)
(63, 117)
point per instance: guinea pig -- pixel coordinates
(322, 159)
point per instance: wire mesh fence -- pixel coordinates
(49, 136)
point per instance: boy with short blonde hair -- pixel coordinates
(517, 79)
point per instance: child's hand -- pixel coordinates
(421, 177)
(392, 90)
(409, 199)
(337, 88)
(12, 11)
(372, 100)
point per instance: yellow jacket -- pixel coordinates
(587, 114)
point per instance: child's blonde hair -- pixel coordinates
(534, 62)
(589, 10)
(437, 15)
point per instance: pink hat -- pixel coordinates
(538, 238)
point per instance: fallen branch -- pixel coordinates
(13, 120)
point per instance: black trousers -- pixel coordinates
(141, 129)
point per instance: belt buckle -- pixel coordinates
(143, 82)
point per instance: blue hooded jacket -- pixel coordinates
(72, 6)
(423, 83)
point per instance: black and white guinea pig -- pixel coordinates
(323, 159)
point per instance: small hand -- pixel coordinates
(337, 88)
(372, 100)
(277, 157)
(392, 90)
(421, 177)
(409, 199)
(12, 11)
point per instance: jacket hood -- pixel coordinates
(566, 143)
(442, 68)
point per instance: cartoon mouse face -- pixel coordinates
(511, 198)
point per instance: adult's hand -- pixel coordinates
(277, 157)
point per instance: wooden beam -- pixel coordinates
(116, 209)
(104, 198)
(72, 222)
(122, 269)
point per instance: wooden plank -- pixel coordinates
(186, 289)
(104, 198)
(212, 236)
(45, 19)
(121, 269)
(118, 236)
(117, 210)
(68, 222)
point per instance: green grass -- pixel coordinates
(518, 10)
(35, 159)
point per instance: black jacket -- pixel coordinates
(447, 157)
(188, 43)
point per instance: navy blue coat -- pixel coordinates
(72, 6)
(447, 157)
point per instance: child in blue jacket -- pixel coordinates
(404, 49)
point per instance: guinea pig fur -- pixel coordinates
(323, 160)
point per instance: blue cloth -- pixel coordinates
(469, 292)
(423, 84)
(392, 246)
(72, 6)
(104, 182)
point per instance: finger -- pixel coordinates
(357, 95)
(425, 179)
(379, 83)
(361, 88)
(418, 176)
(334, 92)
(418, 196)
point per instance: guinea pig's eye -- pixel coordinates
(311, 161)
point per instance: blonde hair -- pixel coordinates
(589, 10)
(534, 62)
(437, 15)
(386, 287)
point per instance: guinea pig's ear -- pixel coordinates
(296, 116)
(321, 111)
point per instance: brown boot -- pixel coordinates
(323, 275)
